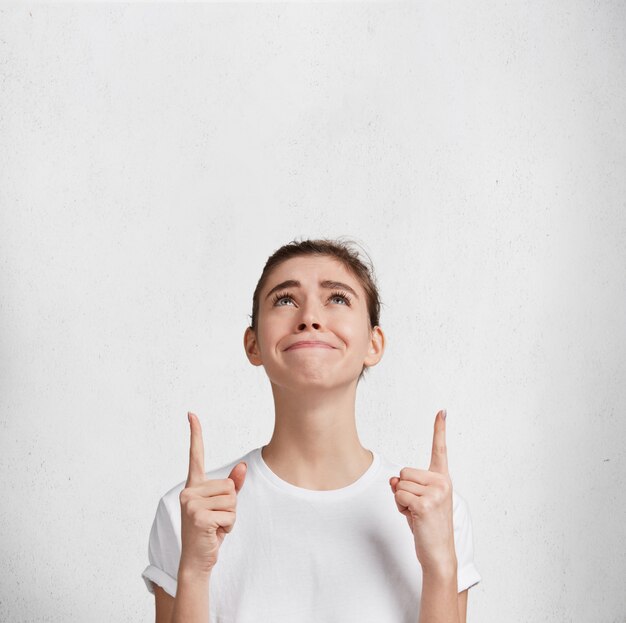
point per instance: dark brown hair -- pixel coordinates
(343, 251)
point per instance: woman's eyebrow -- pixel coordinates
(327, 283)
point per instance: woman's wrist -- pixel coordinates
(443, 570)
(193, 574)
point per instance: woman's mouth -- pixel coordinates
(310, 345)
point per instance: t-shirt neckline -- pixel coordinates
(333, 494)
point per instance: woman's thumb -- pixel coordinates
(238, 475)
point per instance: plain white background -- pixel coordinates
(153, 156)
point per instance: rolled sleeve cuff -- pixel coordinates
(467, 577)
(158, 576)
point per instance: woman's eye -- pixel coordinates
(287, 297)
(280, 296)
(343, 296)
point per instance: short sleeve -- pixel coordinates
(163, 552)
(467, 574)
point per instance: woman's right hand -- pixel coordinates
(208, 507)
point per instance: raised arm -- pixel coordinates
(208, 513)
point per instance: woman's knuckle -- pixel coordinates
(198, 522)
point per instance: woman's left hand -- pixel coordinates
(424, 497)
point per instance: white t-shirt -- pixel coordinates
(297, 555)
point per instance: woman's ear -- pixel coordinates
(251, 347)
(377, 347)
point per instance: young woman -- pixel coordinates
(321, 530)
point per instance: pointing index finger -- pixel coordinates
(196, 451)
(439, 456)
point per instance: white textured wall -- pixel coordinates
(152, 157)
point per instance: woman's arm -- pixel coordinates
(192, 597)
(463, 606)
(163, 605)
(440, 601)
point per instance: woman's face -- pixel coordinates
(328, 305)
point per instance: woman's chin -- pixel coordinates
(304, 377)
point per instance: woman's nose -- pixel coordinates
(310, 315)
(303, 325)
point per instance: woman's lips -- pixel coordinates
(310, 345)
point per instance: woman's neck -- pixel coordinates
(315, 444)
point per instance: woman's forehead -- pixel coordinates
(317, 268)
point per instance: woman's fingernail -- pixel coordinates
(444, 414)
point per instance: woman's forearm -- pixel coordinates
(440, 601)
(192, 597)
